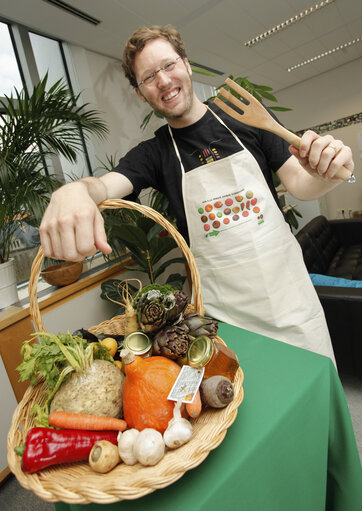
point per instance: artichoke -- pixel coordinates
(181, 301)
(172, 342)
(199, 325)
(152, 308)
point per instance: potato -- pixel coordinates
(96, 391)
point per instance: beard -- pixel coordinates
(166, 112)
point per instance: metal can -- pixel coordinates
(138, 343)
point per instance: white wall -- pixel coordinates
(328, 97)
(83, 311)
(104, 86)
(89, 309)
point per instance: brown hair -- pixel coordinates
(138, 40)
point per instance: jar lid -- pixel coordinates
(200, 351)
(137, 342)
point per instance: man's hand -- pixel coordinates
(323, 156)
(72, 227)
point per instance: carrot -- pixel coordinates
(194, 408)
(69, 420)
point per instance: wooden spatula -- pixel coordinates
(254, 114)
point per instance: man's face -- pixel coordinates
(170, 93)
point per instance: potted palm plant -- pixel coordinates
(32, 127)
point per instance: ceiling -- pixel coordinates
(214, 32)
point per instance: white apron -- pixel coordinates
(251, 266)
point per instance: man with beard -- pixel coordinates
(217, 174)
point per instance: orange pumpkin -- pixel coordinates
(146, 387)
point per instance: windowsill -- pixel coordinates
(50, 295)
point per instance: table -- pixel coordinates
(292, 446)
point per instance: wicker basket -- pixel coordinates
(77, 482)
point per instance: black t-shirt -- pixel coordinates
(153, 163)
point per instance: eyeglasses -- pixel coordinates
(168, 67)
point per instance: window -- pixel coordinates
(27, 57)
(9, 71)
(203, 91)
(49, 59)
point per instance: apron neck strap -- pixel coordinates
(176, 149)
(220, 121)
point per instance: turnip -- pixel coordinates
(217, 391)
(103, 456)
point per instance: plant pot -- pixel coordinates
(62, 274)
(8, 288)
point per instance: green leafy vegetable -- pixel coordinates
(52, 359)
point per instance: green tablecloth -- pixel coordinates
(291, 448)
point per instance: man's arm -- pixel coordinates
(72, 227)
(309, 173)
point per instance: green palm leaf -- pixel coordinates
(33, 126)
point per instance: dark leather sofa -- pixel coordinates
(334, 248)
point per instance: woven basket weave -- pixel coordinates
(77, 482)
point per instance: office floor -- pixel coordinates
(15, 498)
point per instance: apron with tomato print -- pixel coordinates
(251, 266)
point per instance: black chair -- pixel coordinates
(334, 248)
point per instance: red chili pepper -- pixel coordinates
(45, 446)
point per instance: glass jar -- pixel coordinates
(138, 343)
(217, 358)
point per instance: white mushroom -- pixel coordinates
(126, 442)
(149, 447)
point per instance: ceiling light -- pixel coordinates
(73, 10)
(289, 22)
(326, 53)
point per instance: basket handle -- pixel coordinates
(145, 210)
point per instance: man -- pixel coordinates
(218, 175)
